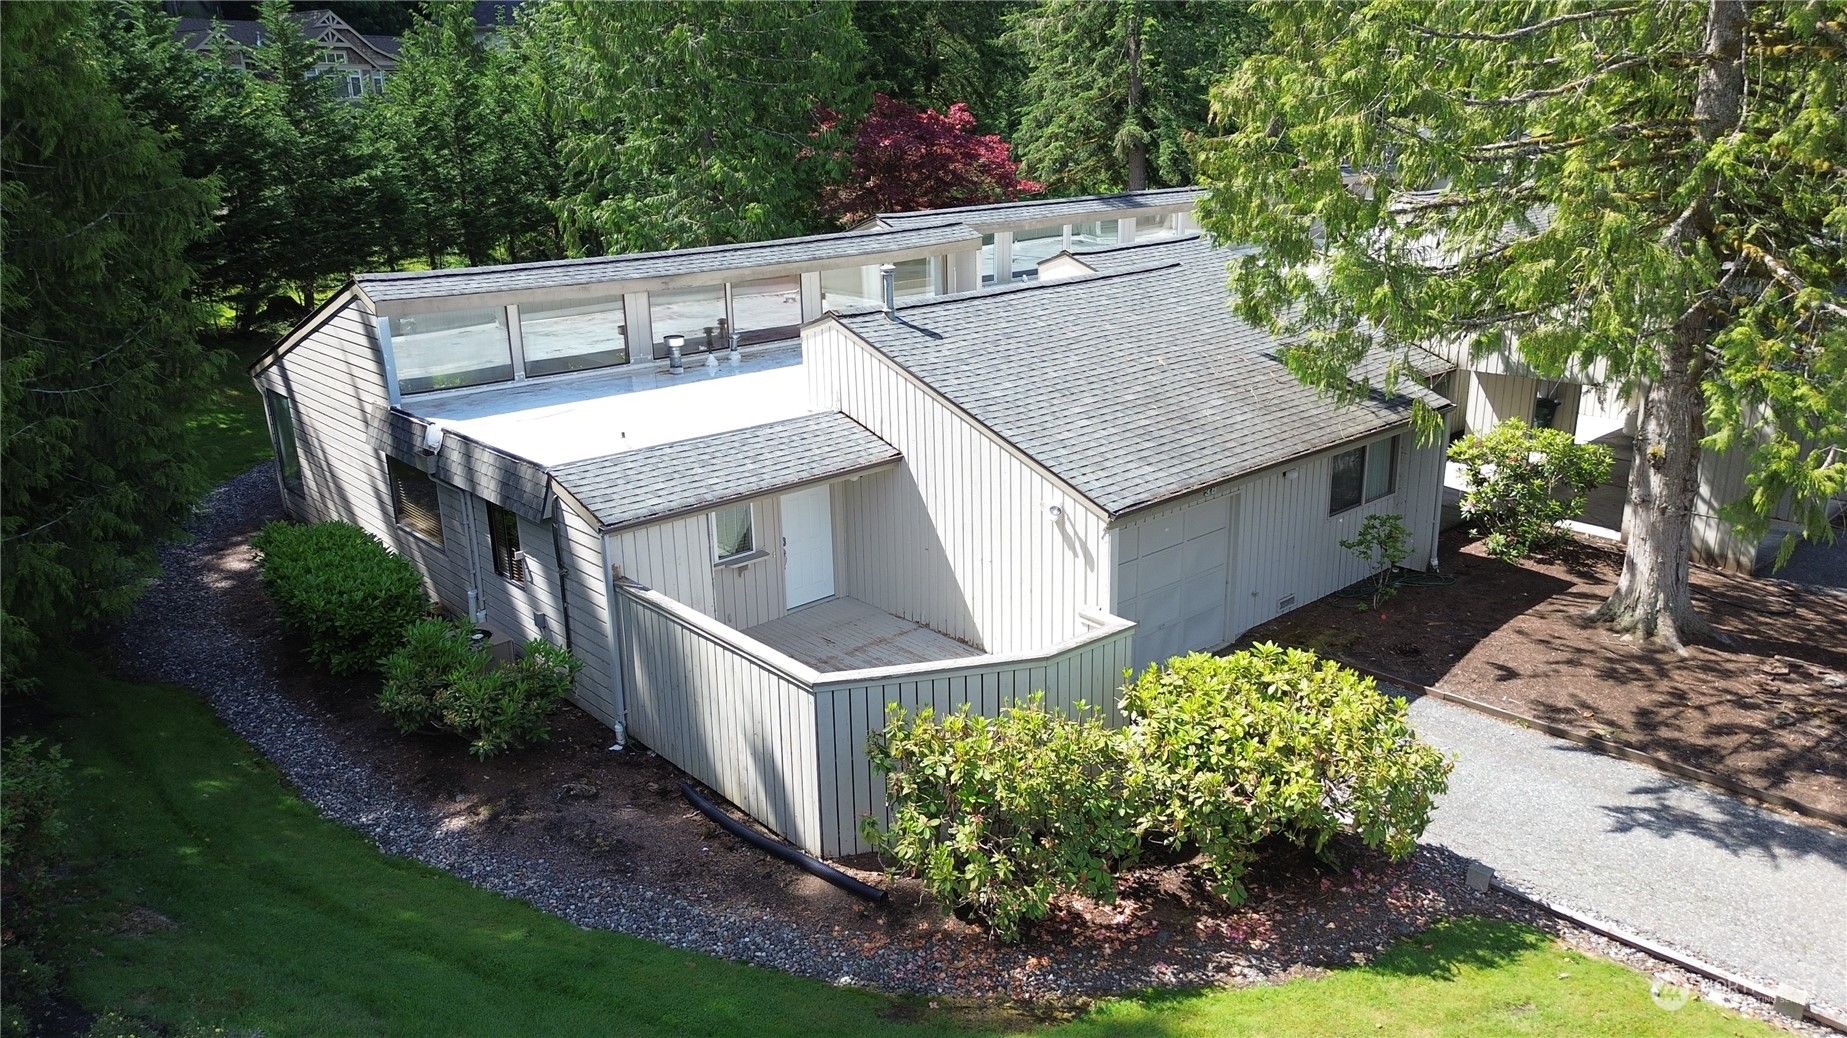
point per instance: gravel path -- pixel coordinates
(1737, 885)
(183, 636)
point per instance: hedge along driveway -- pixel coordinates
(208, 892)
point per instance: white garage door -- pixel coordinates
(1172, 573)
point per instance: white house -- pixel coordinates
(995, 487)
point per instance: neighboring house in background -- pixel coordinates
(360, 64)
(1492, 389)
(974, 495)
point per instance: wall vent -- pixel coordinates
(1286, 603)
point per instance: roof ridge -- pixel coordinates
(1062, 200)
(1014, 289)
(697, 250)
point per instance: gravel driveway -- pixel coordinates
(1740, 886)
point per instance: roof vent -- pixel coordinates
(676, 345)
(888, 280)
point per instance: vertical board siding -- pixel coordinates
(847, 714)
(958, 537)
(740, 727)
(1493, 399)
(587, 607)
(335, 379)
(675, 557)
(1284, 544)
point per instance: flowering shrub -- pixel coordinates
(1520, 482)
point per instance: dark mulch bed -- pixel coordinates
(1769, 709)
(616, 818)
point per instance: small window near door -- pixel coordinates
(282, 433)
(732, 533)
(414, 501)
(1363, 474)
(503, 541)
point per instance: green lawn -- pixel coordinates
(287, 923)
(230, 429)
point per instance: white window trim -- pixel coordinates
(749, 555)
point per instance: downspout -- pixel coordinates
(563, 568)
(1436, 513)
(619, 687)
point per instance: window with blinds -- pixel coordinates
(414, 502)
(503, 540)
(733, 535)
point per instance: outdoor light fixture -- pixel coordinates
(1055, 512)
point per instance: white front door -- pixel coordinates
(808, 545)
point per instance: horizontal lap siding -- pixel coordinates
(845, 717)
(745, 731)
(513, 608)
(336, 381)
(958, 537)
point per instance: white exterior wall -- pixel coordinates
(958, 537)
(587, 609)
(676, 558)
(1285, 547)
(514, 608)
(335, 380)
(1492, 399)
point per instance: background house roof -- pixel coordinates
(672, 479)
(1003, 215)
(1135, 387)
(814, 252)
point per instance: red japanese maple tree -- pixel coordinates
(906, 158)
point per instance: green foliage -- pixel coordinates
(699, 120)
(1115, 92)
(1600, 206)
(439, 679)
(273, 904)
(938, 55)
(460, 131)
(101, 366)
(1229, 751)
(341, 591)
(999, 815)
(1521, 482)
(33, 788)
(1381, 543)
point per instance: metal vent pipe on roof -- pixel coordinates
(888, 280)
(675, 362)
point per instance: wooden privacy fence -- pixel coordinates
(787, 743)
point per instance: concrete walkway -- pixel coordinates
(1701, 872)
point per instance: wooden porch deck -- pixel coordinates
(846, 634)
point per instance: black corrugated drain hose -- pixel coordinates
(787, 853)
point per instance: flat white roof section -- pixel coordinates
(567, 418)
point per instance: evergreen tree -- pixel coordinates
(457, 123)
(102, 367)
(1115, 94)
(935, 55)
(700, 119)
(1654, 189)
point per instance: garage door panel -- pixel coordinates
(1204, 592)
(1162, 570)
(1207, 550)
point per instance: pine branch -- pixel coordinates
(1525, 30)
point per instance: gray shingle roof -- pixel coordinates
(1134, 388)
(1002, 214)
(815, 252)
(672, 479)
(511, 482)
